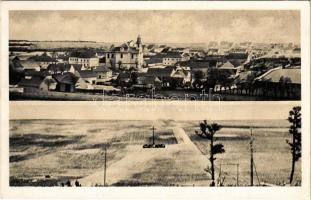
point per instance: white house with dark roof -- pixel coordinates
(86, 59)
(38, 83)
(127, 55)
(89, 76)
(104, 74)
(171, 58)
(30, 65)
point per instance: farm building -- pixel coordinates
(37, 83)
(66, 82)
(280, 82)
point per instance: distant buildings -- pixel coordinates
(133, 65)
(43, 60)
(127, 55)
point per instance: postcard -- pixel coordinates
(162, 100)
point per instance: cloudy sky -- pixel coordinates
(157, 26)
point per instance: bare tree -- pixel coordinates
(295, 145)
(207, 131)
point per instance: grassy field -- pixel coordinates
(271, 152)
(48, 152)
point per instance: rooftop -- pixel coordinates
(276, 74)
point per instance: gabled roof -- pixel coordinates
(237, 56)
(154, 59)
(227, 65)
(82, 54)
(124, 75)
(246, 76)
(237, 62)
(77, 67)
(87, 74)
(195, 64)
(67, 78)
(276, 74)
(43, 58)
(173, 55)
(33, 73)
(29, 64)
(33, 82)
(180, 73)
(102, 69)
(59, 67)
(160, 72)
(145, 80)
(124, 49)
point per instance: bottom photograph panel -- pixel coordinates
(78, 153)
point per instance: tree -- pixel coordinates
(120, 64)
(224, 79)
(207, 131)
(198, 76)
(295, 145)
(134, 76)
(212, 77)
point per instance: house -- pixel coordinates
(104, 74)
(30, 65)
(124, 79)
(153, 61)
(29, 74)
(83, 85)
(86, 59)
(36, 83)
(43, 60)
(280, 82)
(171, 58)
(66, 82)
(229, 67)
(212, 51)
(62, 67)
(170, 76)
(89, 76)
(183, 74)
(127, 55)
(147, 82)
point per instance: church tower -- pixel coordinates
(140, 57)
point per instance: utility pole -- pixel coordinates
(105, 166)
(252, 159)
(237, 174)
(153, 135)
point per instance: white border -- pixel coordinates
(158, 192)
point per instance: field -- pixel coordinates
(48, 152)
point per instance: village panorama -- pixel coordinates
(134, 70)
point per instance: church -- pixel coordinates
(128, 55)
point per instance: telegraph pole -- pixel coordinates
(237, 174)
(153, 135)
(252, 159)
(105, 166)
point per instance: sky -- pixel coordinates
(157, 26)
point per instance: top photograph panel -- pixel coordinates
(161, 55)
